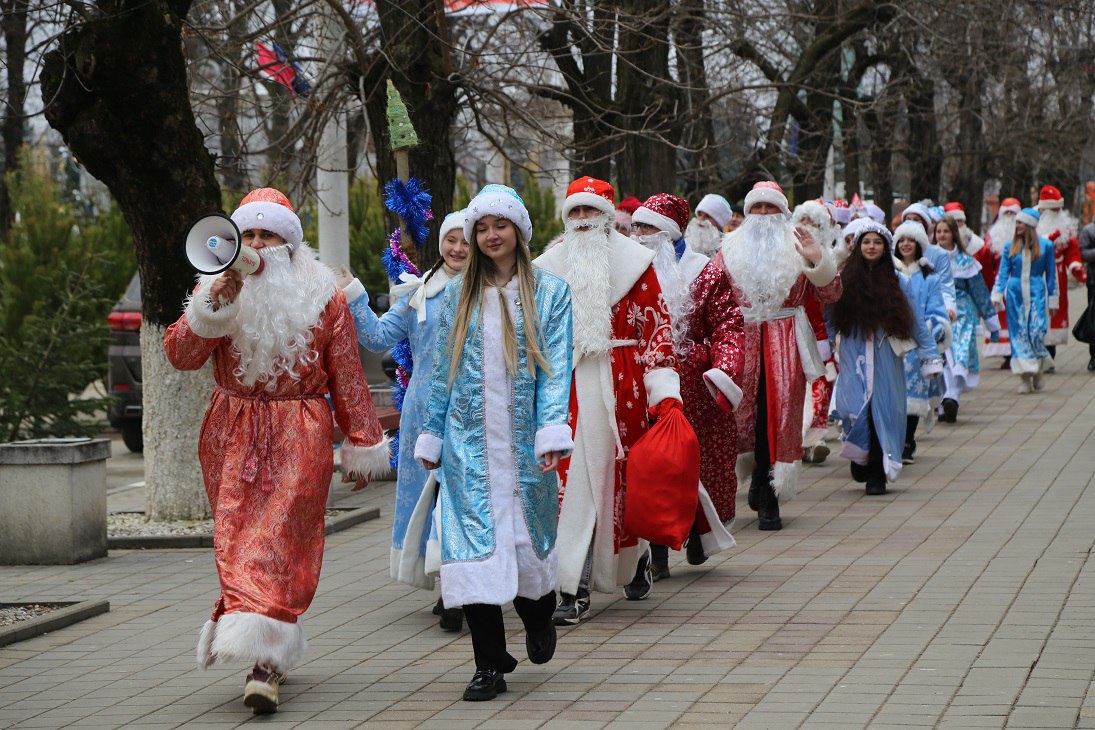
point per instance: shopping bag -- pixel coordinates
(1084, 329)
(663, 476)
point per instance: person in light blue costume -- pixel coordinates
(877, 326)
(926, 297)
(412, 317)
(937, 257)
(1027, 283)
(496, 424)
(962, 371)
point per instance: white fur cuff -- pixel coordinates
(428, 448)
(367, 461)
(1075, 266)
(719, 382)
(555, 437)
(354, 290)
(993, 323)
(1052, 301)
(824, 350)
(204, 321)
(823, 273)
(662, 383)
(251, 637)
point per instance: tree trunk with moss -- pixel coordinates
(116, 81)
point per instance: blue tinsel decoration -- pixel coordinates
(411, 202)
(394, 460)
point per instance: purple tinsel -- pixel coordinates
(411, 202)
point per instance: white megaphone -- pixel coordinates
(213, 246)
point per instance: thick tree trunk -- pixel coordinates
(700, 171)
(648, 100)
(879, 128)
(14, 24)
(233, 171)
(121, 77)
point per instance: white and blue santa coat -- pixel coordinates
(1028, 286)
(872, 375)
(926, 297)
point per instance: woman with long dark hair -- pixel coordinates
(877, 327)
(1027, 283)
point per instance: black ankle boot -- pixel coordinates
(659, 562)
(768, 515)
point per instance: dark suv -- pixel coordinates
(124, 375)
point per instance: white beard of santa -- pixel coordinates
(1001, 233)
(675, 289)
(762, 259)
(277, 310)
(703, 237)
(1056, 220)
(587, 252)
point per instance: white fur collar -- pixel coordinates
(629, 261)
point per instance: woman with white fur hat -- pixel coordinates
(413, 316)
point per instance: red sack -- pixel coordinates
(663, 476)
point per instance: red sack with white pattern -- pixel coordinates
(663, 477)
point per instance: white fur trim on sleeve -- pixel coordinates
(823, 273)
(554, 437)
(1075, 266)
(206, 322)
(993, 323)
(354, 290)
(662, 383)
(719, 382)
(428, 447)
(825, 350)
(1051, 301)
(367, 461)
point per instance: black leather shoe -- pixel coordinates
(694, 552)
(452, 619)
(769, 521)
(1091, 365)
(485, 685)
(541, 644)
(950, 410)
(859, 472)
(874, 487)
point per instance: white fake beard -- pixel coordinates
(1056, 219)
(586, 252)
(703, 237)
(762, 260)
(275, 320)
(675, 290)
(1001, 233)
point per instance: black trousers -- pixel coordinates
(488, 629)
(1090, 298)
(876, 468)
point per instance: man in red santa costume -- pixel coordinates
(279, 340)
(1063, 231)
(775, 268)
(997, 237)
(624, 363)
(823, 221)
(657, 224)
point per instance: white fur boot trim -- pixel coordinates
(744, 466)
(251, 637)
(785, 479)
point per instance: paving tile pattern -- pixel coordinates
(965, 598)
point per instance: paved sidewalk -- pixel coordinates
(964, 598)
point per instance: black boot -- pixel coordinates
(694, 552)
(768, 514)
(659, 562)
(757, 483)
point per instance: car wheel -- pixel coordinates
(133, 438)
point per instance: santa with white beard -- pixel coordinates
(823, 222)
(1062, 230)
(704, 232)
(774, 267)
(624, 363)
(998, 237)
(280, 341)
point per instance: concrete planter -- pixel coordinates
(53, 501)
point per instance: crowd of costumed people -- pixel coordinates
(568, 419)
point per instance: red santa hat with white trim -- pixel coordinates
(767, 191)
(269, 210)
(1009, 205)
(955, 210)
(666, 213)
(1050, 198)
(591, 192)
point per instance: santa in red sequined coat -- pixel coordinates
(280, 341)
(774, 267)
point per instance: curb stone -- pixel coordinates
(73, 612)
(339, 523)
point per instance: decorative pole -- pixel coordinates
(402, 138)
